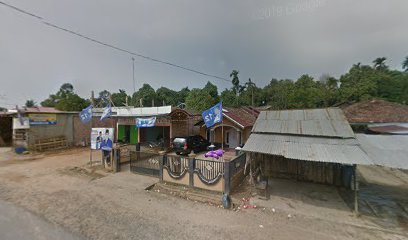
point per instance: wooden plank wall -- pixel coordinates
(317, 172)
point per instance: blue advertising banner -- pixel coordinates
(107, 112)
(213, 115)
(86, 114)
(145, 122)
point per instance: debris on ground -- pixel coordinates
(245, 204)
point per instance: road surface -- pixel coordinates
(20, 224)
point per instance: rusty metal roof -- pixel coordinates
(386, 150)
(317, 149)
(329, 122)
(377, 111)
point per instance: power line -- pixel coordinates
(107, 44)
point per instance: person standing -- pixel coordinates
(106, 146)
(99, 141)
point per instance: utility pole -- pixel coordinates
(133, 74)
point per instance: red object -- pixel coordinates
(185, 146)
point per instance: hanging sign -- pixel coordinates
(145, 122)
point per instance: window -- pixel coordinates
(227, 138)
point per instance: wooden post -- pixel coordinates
(355, 191)
(90, 137)
(191, 164)
(227, 178)
(222, 134)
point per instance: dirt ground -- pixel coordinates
(96, 204)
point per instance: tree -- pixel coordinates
(308, 93)
(30, 103)
(212, 90)
(182, 95)
(51, 101)
(167, 96)
(2, 109)
(228, 98)
(235, 81)
(405, 64)
(72, 102)
(65, 99)
(280, 93)
(199, 100)
(103, 99)
(379, 63)
(145, 97)
(119, 98)
(360, 83)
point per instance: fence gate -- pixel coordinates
(145, 163)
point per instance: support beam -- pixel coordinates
(355, 190)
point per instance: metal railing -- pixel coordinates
(209, 171)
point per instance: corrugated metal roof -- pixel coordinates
(386, 150)
(329, 150)
(329, 122)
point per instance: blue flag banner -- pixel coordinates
(86, 114)
(106, 112)
(145, 122)
(213, 115)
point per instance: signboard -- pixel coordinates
(145, 122)
(102, 138)
(17, 123)
(43, 119)
(213, 115)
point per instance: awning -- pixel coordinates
(386, 150)
(317, 149)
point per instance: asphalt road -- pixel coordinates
(19, 224)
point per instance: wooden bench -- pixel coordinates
(49, 144)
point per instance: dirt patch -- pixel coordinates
(81, 172)
(14, 177)
(195, 195)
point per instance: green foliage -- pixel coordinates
(146, 96)
(30, 103)
(119, 98)
(405, 64)
(228, 98)
(65, 99)
(199, 100)
(379, 64)
(72, 102)
(280, 93)
(103, 99)
(360, 83)
(236, 87)
(212, 90)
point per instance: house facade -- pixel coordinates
(235, 128)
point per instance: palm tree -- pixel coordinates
(405, 64)
(379, 63)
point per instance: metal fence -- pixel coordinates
(208, 174)
(209, 171)
(177, 166)
(145, 163)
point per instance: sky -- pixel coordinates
(261, 39)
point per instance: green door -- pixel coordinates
(121, 133)
(133, 134)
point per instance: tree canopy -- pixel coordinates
(65, 99)
(360, 82)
